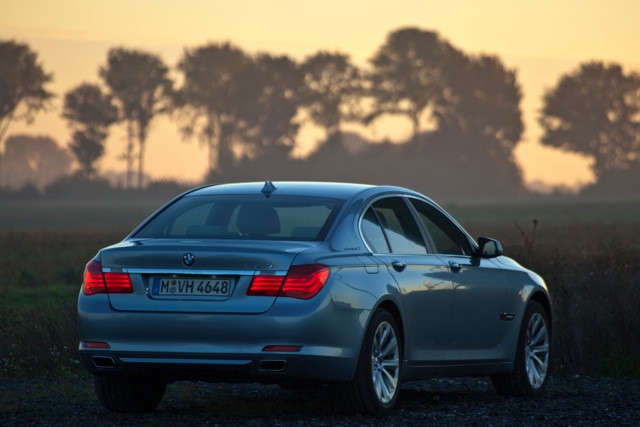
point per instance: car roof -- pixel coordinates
(333, 190)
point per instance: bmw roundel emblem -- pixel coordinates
(188, 259)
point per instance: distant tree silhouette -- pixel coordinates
(22, 87)
(212, 100)
(275, 103)
(483, 102)
(471, 102)
(34, 160)
(332, 91)
(139, 82)
(90, 113)
(409, 75)
(595, 111)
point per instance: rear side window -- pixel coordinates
(235, 217)
(373, 234)
(400, 231)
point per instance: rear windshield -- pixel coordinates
(244, 217)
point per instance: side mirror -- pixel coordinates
(489, 248)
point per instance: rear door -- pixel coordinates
(393, 236)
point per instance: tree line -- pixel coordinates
(246, 110)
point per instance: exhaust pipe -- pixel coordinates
(272, 365)
(104, 362)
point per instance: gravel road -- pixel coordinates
(569, 401)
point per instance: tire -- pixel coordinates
(530, 372)
(119, 393)
(375, 387)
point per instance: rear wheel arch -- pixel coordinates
(393, 309)
(375, 386)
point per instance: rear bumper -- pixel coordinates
(224, 346)
(213, 367)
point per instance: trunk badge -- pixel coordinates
(188, 259)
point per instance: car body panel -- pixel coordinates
(427, 294)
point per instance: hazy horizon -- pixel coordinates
(72, 41)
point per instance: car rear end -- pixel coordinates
(220, 287)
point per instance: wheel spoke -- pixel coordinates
(390, 348)
(540, 335)
(542, 349)
(383, 335)
(390, 363)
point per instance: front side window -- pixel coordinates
(446, 235)
(244, 217)
(400, 231)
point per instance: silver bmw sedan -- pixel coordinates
(358, 286)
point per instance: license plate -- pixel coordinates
(191, 287)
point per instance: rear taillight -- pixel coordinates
(93, 281)
(305, 281)
(118, 283)
(302, 281)
(97, 282)
(265, 285)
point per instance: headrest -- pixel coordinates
(258, 220)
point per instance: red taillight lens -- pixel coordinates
(93, 281)
(305, 281)
(265, 286)
(97, 282)
(302, 281)
(118, 283)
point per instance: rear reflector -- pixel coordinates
(284, 348)
(97, 282)
(95, 344)
(302, 282)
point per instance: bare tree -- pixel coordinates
(139, 83)
(22, 87)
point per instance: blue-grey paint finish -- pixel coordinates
(450, 308)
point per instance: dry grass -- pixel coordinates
(590, 264)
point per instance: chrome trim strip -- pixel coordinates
(166, 361)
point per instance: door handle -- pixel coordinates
(455, 267)
(398, 266)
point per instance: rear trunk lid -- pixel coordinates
(203, 276)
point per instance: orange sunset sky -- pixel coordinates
(540, 39)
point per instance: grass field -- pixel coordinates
(587, 251)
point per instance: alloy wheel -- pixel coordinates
(385, 362)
